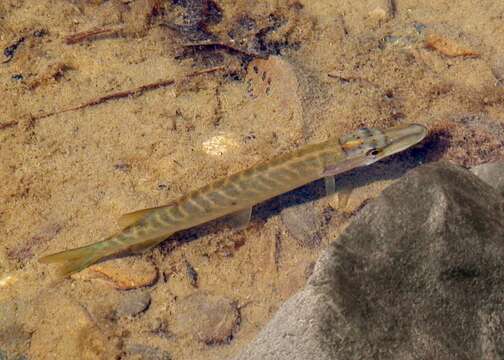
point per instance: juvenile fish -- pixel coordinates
(236, 194)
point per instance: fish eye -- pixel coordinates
(373, 152)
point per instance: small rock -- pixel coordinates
(144, 352)
(492, 174)
(124, 273)
(448, 47)
(122, 166)
(211, 319)
(419, 27)
(133, 303)
(273, 90)
(303, 224)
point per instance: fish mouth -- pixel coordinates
(401, 137)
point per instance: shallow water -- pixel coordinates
(287, 73)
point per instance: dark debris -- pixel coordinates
(10, 50)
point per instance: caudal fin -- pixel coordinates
(75, 260)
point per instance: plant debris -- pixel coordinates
(448, 47)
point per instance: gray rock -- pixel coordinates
(211, 319)
(144, 352)
(492, 174)
(133, 303)
(418, 274)
(303, 224)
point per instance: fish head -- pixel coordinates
(369, 145)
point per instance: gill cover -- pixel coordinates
(368, 145)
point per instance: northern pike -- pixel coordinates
(236, 194)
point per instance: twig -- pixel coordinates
(82, 36)
(392, 8)
(350, 78)
(228, 47)
(277, 251)
(118, 95)
(8, 125)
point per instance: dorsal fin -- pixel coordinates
(131, 218)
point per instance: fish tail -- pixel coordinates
(78, 259)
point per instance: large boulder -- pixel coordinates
(418, 274)
(492, 174)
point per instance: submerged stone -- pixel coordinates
(418, 274)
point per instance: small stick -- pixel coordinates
(82, 36)
(348, 79)
(392, 7)
(277, 251)
(224, 46)
(118, 95)
(8, 125)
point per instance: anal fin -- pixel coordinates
(239, 219)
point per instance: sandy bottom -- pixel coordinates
(112, 106)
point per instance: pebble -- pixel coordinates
(123, 166)
(211, 319)
(303, 224)
(124, 273)
(133, 303)
(144, 352)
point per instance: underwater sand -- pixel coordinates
(274, 75)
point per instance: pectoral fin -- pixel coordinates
(239, 219)
(330, 185)
(131, 218)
